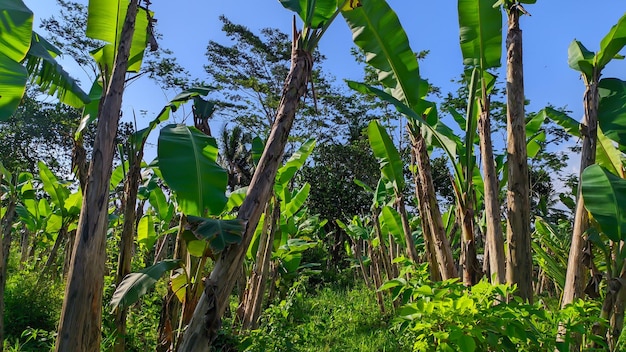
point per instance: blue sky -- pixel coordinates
(187, 26)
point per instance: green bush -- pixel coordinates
(448, 316)
(31, 304)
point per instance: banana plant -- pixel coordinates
(519, 256)
(481, 45)
(24, 54)
(590, 65)
(80, 322)
(377, 30)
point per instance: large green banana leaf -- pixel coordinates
(612, 109)
(57, 192)
(391, 221)
(104, 22)
(13, 77)
(376, 29)
(611, 44)
(605, 198)
(314, 13)
(581, 59)
(481, 33)
(187, 160)
(15, 36)
(219, 233)
(388, 157)
(15, 29)
(137, 284)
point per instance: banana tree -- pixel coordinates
(378, 32)
(481, 42)
(317, 17)
(590, 65)
(519, 258)
(114, 23)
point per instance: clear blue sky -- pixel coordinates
(187, 26)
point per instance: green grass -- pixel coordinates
(327, 320)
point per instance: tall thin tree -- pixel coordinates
(79, 327)
(519, 257)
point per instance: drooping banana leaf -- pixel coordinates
(611, 44)
(50, 76)
(137, 284)
(605, 198)
(377, 31)
(388, 157)
(187, 160)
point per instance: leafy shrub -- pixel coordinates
(448, 316)
(30, 304)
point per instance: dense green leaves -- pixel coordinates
(388, 157)
(481, 33)
(377, 31)
(187, 161)
(58, 193)
(137, 284)
(605, 198)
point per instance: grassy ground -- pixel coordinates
(325, 320)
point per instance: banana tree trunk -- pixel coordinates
(519, 260)
(575, 279)
(206, 320)
(79, 327)
(495, 239)
(469, 263)
(124, 262)
(433, 266)
(384, 251)
(259, 276)
(55, 249)
(443, 251)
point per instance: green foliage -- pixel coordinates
(31, 305)
(448, 316)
